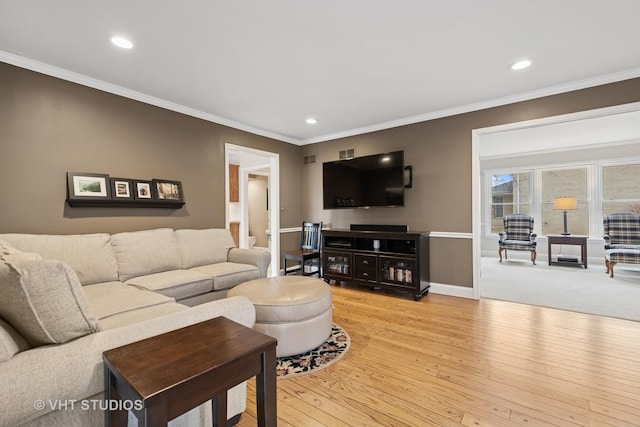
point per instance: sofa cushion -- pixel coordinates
(89, 255)
(177, 284)
(110, 298)
(139, 315)
(203, 247)
(43, 300)
(11, 342)
(6, 248)
(228, 274)
(145, 252)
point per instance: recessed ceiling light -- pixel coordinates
(311, 121)
(520, 65)
(121, 42)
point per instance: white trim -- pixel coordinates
(81, 79)
(450, 235)
(451, 290)
(272, 162)
(290, 230)
(553, 90)
(71, 76)
(476, 177)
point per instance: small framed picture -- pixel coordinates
(88, 186)
(121, 189)
(142, 190)
(168, 190)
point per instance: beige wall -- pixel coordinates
(440, 153)
(49, 126)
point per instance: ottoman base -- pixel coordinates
(298, 337)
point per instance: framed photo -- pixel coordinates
(121, 189)
(142, 190)
(88, 186)
(168, 190)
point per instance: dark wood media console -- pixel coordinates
(391, 260)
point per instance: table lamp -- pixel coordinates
(565, 204)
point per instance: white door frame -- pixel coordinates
(476, 189)
(250, 160)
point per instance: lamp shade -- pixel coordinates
(565, 203)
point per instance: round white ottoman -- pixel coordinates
(295, 310)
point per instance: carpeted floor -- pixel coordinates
(588, 291)
(327, 354)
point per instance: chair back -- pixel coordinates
(623, 228)
(311, 236)
(518, 226)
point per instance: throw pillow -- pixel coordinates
(43, 300)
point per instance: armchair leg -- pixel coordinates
(533, 257)
(500, 254)
(609, 265)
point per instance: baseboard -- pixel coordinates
(451, 290)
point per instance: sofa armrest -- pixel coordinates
(261, 258)
(74, 371)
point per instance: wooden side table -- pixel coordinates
(568, 240)
(167, 375)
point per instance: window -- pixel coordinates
(510, 193)
(569, 182)
(620, 189)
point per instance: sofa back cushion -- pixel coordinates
(11, 342)
(43, 300)
(90, 255)
(203, 247)
(145, 252)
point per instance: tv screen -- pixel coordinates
(361, 182)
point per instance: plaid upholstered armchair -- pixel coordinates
(518, 235)
(621, 239)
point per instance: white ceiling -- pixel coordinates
(357, 65)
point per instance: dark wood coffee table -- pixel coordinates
(167, 375)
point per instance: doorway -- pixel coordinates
(255, 163)
(610, 129)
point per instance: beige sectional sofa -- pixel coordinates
(65, 299)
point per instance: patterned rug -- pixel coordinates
(327, 354)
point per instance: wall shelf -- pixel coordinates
(92, 203)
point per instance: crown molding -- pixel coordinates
(81, 79)
(497, 102)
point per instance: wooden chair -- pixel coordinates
(309, 248)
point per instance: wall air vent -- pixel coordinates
(347, 154)
(308, 160)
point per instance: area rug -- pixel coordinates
(312, 361)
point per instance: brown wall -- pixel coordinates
(50, 126)
(440, 153)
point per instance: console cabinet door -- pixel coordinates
(365, 268)
(337, 264)
(398, 271)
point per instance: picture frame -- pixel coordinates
(168, 190)
(121, 189)
(142, 190)
(88, 186)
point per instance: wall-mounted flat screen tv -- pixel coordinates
(362, 182)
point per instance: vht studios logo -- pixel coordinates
(88, 405)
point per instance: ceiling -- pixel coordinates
(356, 66)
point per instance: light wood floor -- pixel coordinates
(449, 361)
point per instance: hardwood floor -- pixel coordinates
(449, 361)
